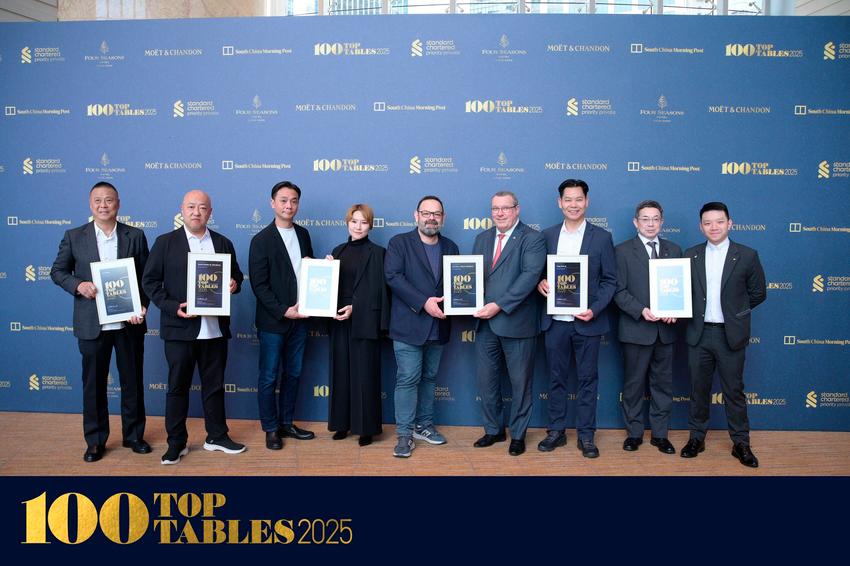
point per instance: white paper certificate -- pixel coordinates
(670, 288)
(567, 276)
(117, 297)
(318, 287)
(463, 284)
(208, 284)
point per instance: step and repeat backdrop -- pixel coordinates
(751, 111)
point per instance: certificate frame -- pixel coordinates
(670, 288)
(556, 263)
(459, 303)
(209, 302)
(318, 287)
(111, 277)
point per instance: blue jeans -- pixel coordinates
(415, 383)
(281, 355)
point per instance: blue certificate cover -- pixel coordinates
(671, 288)
(319, 287)
(208, 284)
(117, 294)
(463, 285)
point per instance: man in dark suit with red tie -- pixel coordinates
(727, 284)
(646, 340)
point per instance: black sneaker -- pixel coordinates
(224, 444)
(173, 455)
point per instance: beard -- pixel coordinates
(430, 229)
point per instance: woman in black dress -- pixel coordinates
(355, 352)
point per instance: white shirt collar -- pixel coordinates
(579, 231)
(721, 247)
(101, 234)
(189, 235)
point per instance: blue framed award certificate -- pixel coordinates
(670, 288)
(567, 277)
(117, 297)
(318, 287)
(463, 284)
(208, 284)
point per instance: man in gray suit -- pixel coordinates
(509, 322)
(102, 239)
(646, 340)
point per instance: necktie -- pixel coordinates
(498, 250)
(654, 254)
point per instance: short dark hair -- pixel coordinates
(569, 183)
(649, 204)
(103, 185)
(506, 194)
(714, 205)
(286, 185)
(430, 197)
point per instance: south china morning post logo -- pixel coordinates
(11, 111)
(490, 106)
(183, 108)
(118, 109)
(578, 107)
(761, 50)
(753, 399)
(756, 168)
(41, 165)
(833, 170)
(504, 52)
(258, 112)
(167, 518)
(348, 49)
(645, 49)
(806, 110)
(384, 106)
(232, 165)
(433, 48)
(799, 227)
(503, 169)
(830, 283)
(105, 169)
(644, 167)
(34, 273)
(824, 399)
(234, 51)
(663, 113)
(18, 221)
(35, 55)
(794, 341)
(431, 164)
(104, 57)
(347, 165)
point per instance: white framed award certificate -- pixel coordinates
(567, 277)
(463, 284)
(208, 284)
(318, 287)
(670, 288)
(117, 297)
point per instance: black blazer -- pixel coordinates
(370, 305)
(165, 282)
(71, 267)
(633, 292)
(412, 282)
(742, 288)
(273, 278)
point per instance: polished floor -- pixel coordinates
(51, 444)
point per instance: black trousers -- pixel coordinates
(211, 358)
(129, 357)
(355, 384)
(712, 353)
(653, 363)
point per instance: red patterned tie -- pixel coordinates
(498, 251)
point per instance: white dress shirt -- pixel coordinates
(293, 248)
(107, 250)
(647, 248)
(569, 243)
(715, 258)
(504, 240)
(209, 324)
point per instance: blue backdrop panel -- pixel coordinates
(751, 111)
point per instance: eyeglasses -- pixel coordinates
(430, 214)
(497, 209)
(649, 220)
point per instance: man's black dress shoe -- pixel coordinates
(293, 431)
(743, 453)
(490, 440)
(588, 449)
(553, 439)
(632, 443)
(137, 446)
(273, 441)
(517, 447)
(663, 445)
(94, 453)
(693, 448)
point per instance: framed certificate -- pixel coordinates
(463, 283)
(318, 287)
(670, 287)
(208, 284)
(117, 296)
(567, 276)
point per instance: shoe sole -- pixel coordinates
(183, 452)
(418, 436)
(217, 448)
